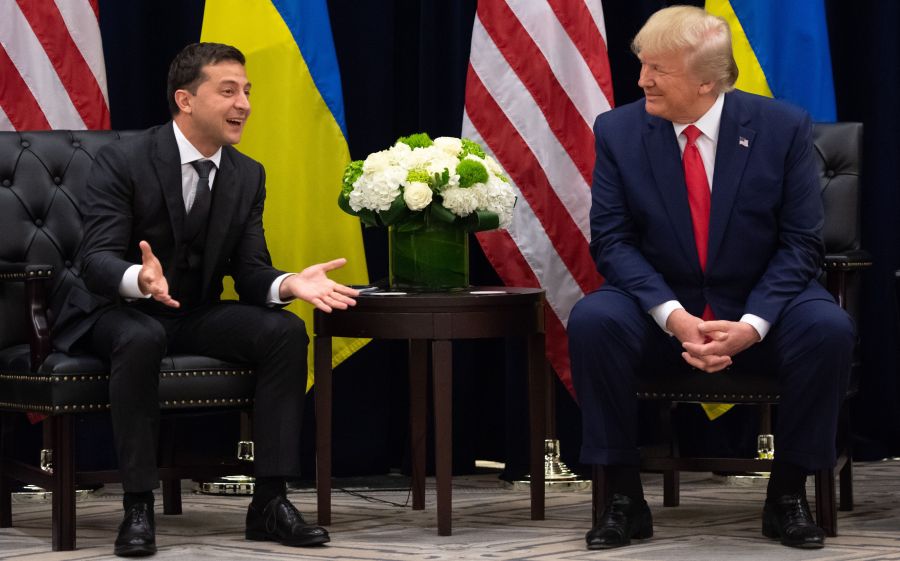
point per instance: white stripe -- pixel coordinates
(85, 32)
(5, 123)
(29, 57)
(595, 7)
(562, 290)
(526, 117)
(566, 62)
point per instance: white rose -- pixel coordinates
(448, 144)
(417, 195)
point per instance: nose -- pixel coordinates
(242, 102)
(644, 80)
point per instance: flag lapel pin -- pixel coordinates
(744, 142)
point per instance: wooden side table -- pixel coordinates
(434, 319)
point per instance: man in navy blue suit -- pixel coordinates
(706, 223)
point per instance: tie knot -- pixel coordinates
(203, 167)
(691, 133)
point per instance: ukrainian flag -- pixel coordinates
(297, 131)
(781, 49)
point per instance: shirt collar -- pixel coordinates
(708, 123)
(188, 153)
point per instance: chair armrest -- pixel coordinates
(35, 278)
(854, 260)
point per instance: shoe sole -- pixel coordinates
(263, 537)
(134, 550)
(771, 532)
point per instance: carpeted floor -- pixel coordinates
(715, 521)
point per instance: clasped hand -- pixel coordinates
(710, 345)
(311, 285)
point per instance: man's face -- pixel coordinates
(220, 108)
(671, 89)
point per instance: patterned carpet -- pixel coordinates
(716, 520)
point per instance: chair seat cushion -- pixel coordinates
(77, 383)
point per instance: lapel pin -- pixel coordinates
(744, 142)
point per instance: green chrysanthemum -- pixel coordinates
(352, 172)
(418, 140)
(470, 147)
(419, 175)
(471, 172)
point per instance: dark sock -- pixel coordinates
(624, 480)
(145, 497)
(786, 479)
(266, 489)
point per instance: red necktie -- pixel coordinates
(698, 197)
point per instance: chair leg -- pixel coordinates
(671, 478)
(171, 495)
(826, 513)
(671, 488)
(6, 428)
(171, 488)
(63, 482)
(846, 485)
(599, 492)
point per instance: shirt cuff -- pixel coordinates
(661, 313)
(129, 286)
(275, 289)
(759, 324)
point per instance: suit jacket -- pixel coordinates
(765, 248)
(134, 193)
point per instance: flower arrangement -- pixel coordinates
(419, 181)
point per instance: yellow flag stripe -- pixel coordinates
(751, 77)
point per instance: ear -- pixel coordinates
(183, 99)
(706, 87)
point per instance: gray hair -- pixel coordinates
(704, 38)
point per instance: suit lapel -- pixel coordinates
(664, 156)
(732, 153)
(167, 164)
(224, 201)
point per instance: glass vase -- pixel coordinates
(434, 258)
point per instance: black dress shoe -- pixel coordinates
(280, 522)
(623, 519)
(788, 518)
(137, 532)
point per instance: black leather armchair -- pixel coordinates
(838, 148)
(42, 175)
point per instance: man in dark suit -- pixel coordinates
(168, 213)
(706, 223)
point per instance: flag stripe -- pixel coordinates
(21, 108)
(529, 63)
(82, 22)
(578, 23)
(518, 160)
(77, 77)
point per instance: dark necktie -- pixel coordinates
(199, 211)
(698, 197)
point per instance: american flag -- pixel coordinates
(51, 61)
(538, 76)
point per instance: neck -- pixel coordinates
(193, 135)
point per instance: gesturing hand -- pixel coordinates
(313, 285)
(151, 279)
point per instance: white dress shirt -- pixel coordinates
(128, 286)
(706, 145)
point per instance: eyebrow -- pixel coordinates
(229, 82)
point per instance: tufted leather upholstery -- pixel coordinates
(838, 151)
(42, 176)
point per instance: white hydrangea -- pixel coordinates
(459, 201)
(377, 190)
(496, 196)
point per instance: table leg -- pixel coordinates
(537, 374)
(442, 369)
(322, 372)
(418, 372)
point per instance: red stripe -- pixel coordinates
(20, 106)
(529, 64)
(96, 7)
(579, 24)
(518, 160)
(74, 72)
(503, 253)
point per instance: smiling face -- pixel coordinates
(671, 88)
(215, 115)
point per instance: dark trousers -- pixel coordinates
(612, 340)
(274, 341)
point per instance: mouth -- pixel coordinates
(235, 122)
